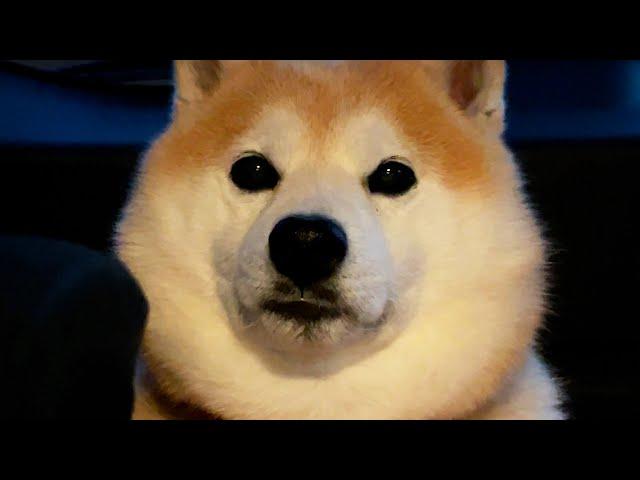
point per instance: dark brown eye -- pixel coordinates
(391, 178)
(253, 173)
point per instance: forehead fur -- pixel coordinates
(322, 94)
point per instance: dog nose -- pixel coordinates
(307, 248)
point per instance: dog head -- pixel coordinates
(310, 227)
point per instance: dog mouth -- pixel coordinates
(318, 317)
(303, 311)
(312, 307)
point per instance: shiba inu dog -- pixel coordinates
(345, 240)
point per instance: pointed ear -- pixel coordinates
(195, 79)
(476, 87)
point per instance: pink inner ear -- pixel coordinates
(465, 81)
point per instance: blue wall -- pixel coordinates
(35, 112)
(573, 100)
(548, 100)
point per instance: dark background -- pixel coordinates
(71, 133)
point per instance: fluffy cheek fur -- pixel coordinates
(463, 273)
(468, 287)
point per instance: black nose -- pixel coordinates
(307, 248)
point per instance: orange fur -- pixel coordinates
(448, 144)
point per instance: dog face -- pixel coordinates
(334, 241)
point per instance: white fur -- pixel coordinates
(459, 280)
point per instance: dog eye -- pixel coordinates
(253, 173)
(391, 178)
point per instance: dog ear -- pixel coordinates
(476, 87)
(195, 79)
